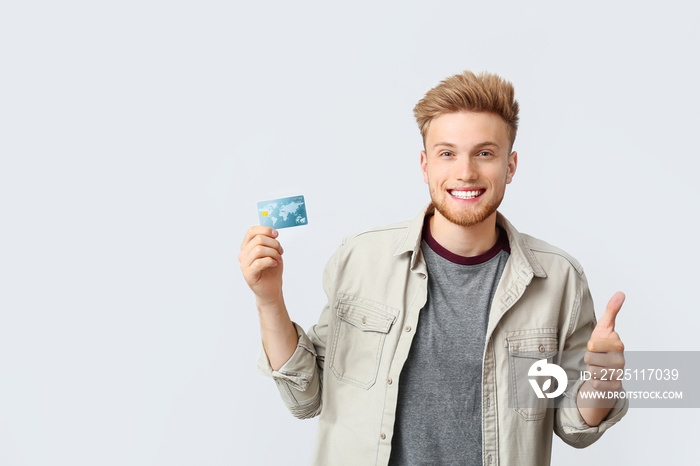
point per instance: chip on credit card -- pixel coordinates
(283, 213)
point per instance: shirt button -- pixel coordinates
(542, 348)
(364, 320)
(408, 328)
(389, 381)
(488, 402)
(490, 459)
(382, 436)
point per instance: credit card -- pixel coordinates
(283, 213)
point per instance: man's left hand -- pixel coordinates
(605, 355)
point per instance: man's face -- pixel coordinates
(467, 165)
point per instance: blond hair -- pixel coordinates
(486, 92)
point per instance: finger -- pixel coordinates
(257, 240)
(260, 265)
(258, 252)
(262, 240)
(607, 321)
(602, 345)
(252, 271)
(258, 230)
(258, 247)
(613, 360)
(606, 385)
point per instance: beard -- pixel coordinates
(468, 216)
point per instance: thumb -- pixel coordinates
(607, 321)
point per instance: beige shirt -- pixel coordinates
(346, 368)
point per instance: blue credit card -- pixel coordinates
(283, 213)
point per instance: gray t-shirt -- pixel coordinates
(438, 419)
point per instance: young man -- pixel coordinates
(423, 353)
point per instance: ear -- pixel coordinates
(424, 165)
(512, 165)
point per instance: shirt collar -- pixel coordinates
(519, 250)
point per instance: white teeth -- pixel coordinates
(465, 194)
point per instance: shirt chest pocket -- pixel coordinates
(530, 393)
(360, 331)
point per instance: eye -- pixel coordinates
(446, 154)
(484, 154)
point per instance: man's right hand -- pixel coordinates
(261, 263)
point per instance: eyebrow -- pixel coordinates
(445, 144)
(481, 145)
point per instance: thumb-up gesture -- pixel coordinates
(605, 356)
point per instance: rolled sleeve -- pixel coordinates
(298, 380)
(570, 425)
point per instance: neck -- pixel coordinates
(464, 241)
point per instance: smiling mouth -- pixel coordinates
(466, 194)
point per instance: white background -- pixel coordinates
(137, 136)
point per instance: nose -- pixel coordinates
(467, 169)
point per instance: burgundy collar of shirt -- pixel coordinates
(501, 245)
